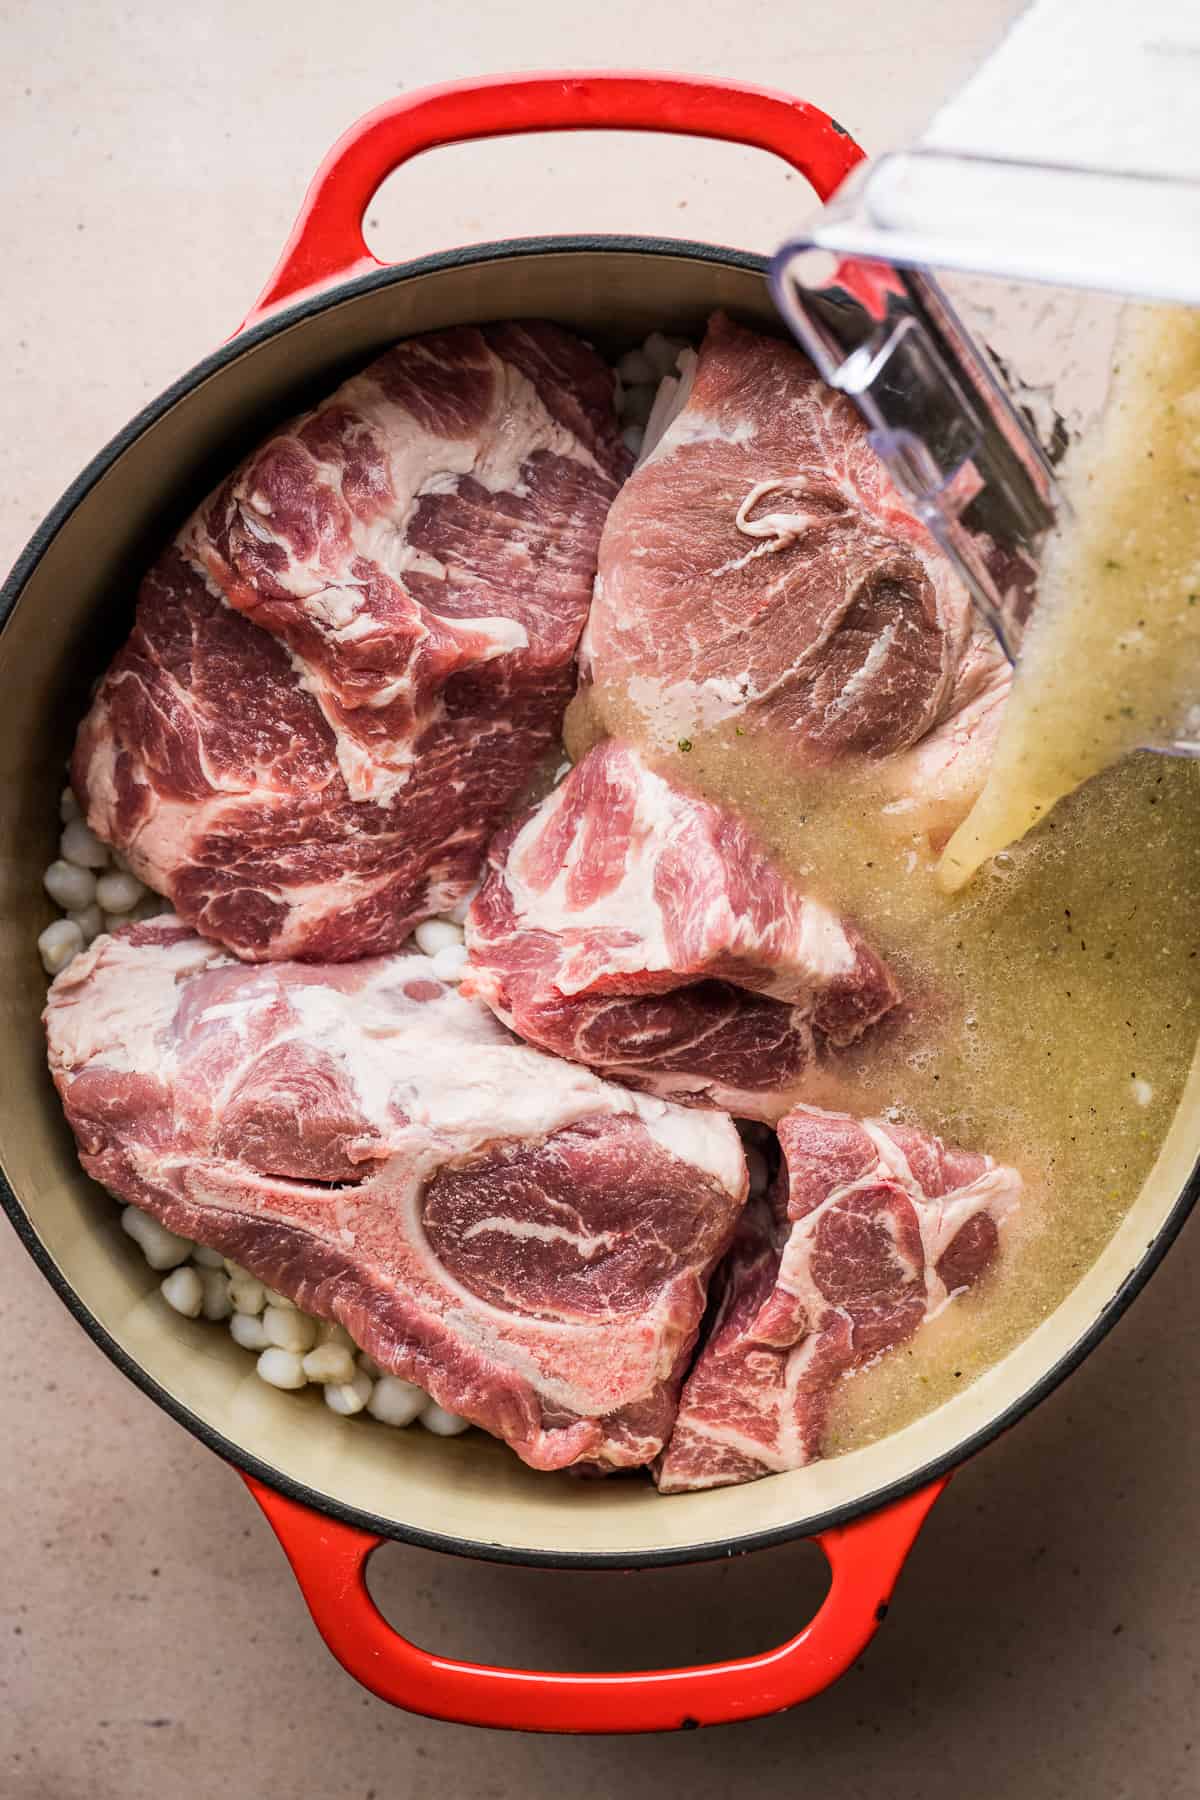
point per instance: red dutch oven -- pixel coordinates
(334, 1489)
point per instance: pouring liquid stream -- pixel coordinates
(1111, 660)
(1052, 1005)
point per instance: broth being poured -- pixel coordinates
(1111, 662)
(1052, 1006)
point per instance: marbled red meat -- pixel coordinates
(528, 1243)
(640, 930)
(869, 1231)
(347, 666)
(759, 566)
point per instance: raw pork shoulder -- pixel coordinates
(529, 1244)
(759, 566)
(345, 669)
(870, 1230)
(646, 933)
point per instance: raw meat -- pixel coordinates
(870, 1231)
(346, 668)
(759, 566)
(934, 785)
(635, 928)
(529, 1244)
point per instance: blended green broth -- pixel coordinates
(1111, 660)
(1052, 1008)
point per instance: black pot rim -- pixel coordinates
(245, 1461)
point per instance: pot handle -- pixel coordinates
(327, 243)
(329, 1560)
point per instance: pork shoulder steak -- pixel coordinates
(870, 1231)
(528, 1243)
(759, 566)
(346, 667)
(646, 933)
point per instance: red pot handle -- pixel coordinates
(329, 1560)
(327, 241)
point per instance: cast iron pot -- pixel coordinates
(335, 1489)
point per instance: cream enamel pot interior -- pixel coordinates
(333, 1488)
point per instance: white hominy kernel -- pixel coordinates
(184, 1290)
(330, 1363)
(633, 437)
(662, 353)
(90, 921)
(368, 1365)
(58, 944)
(79, 845)
(118, 861)
(69, 886)
(68, 805)
(433, 935)
(635, 367)
(281, 1369)
(435, 1418)
(639, 403)
(460, 909)
(248, 1331)
(349, 1397)
(396, 1402)
(118, 893)
(248, 1295)
(114, 921)
(215, 1283)
(208, 1259)
(330, 1332)
(756, 1167)
(450, 964)
(666, 405)
(274, 1299)
(290, 1330)
(161, 1248)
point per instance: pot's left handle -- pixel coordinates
(327, 243)
(329, 1559)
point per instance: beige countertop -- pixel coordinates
(1043, 1641)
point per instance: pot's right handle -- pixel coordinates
(327, 243)
(329, 1559)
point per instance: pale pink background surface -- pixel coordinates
(1043, 1641)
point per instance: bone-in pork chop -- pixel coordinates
(358, 649)
(760, 567)
(869, 1232)
(528, 1243)
(642, 931)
